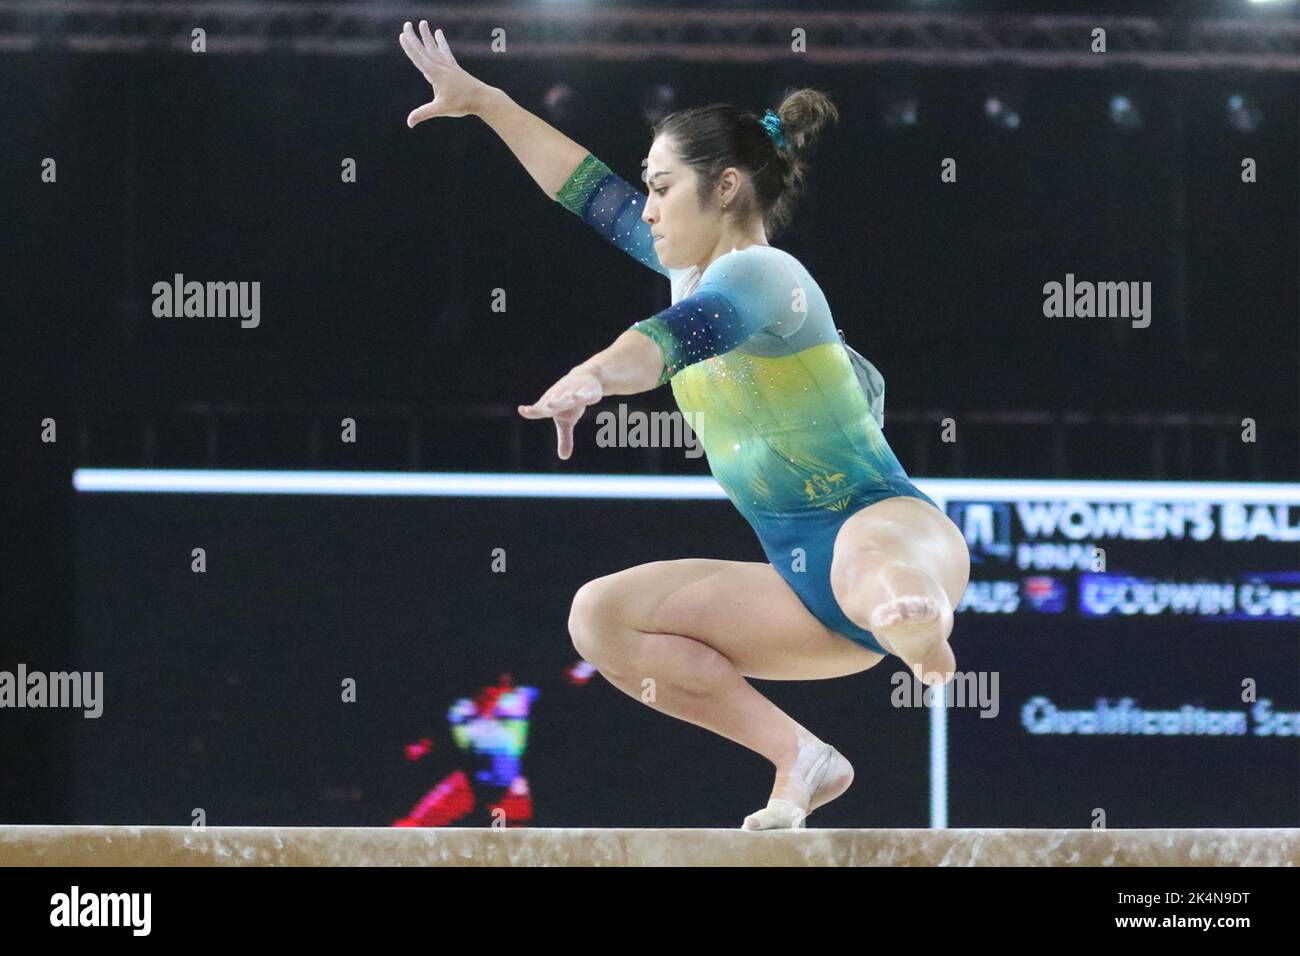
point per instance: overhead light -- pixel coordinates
(1124, 113)
(900, 111)
(1002, 111)
(658, 102)
(1244, 114)
(559, 102)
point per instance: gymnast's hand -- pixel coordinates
(565, 401)
(455, 92)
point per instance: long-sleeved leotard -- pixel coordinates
(758, 369)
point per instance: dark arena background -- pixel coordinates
(325, 569)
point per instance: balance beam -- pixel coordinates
(481, 846)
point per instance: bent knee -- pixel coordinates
(594, 615)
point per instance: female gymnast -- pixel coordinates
(862, 564)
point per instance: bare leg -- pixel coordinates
(744, 609)
(691, 681)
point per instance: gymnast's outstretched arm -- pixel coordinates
(564, 170)
(549, 156)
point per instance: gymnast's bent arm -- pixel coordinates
(733, 305)
(632, 364)
(739, 297)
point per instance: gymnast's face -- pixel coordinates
(688, 229)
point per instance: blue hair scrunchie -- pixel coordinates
(772, 124)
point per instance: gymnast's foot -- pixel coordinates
(910, 627)
(816, 775)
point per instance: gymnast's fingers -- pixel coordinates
(430, 44)
(415, 51)
(442, 45)
(539, 410)
(564, 438)
(422, 113)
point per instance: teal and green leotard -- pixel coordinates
(759, 371)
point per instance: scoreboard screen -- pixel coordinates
(1144, 641)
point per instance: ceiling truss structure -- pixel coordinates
(698, 35)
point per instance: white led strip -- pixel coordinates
(498, 484)
(466, 484)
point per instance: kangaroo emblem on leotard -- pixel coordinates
(823, 492)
